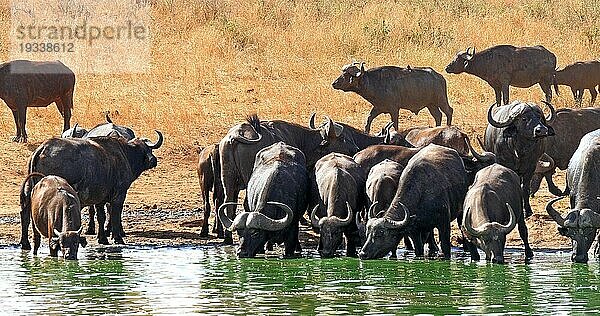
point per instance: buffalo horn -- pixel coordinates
(475, 232)
(390, 223)
(158, 143)
(554, 214)
(512, 222)
(314, 220)
(343, 222)
(259, 220)
(495, 123)
(552, 114)
(56, 232)
(225, 220)
(311, 122)
(372, 210)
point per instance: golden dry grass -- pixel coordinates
(215, 61)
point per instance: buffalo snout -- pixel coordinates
(540, 131)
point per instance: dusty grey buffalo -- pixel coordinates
(391, 88)
(506, 65)
(492, 209)
(74, 132)
(276, 197)
(100, 169)
(582, 222)
(430, 195)
(56, 215)
(25, 83)
(341, 185)
(569, 126)
(238, 148)
(580, 76)
(515, 136)
(209, 179)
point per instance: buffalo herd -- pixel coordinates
(362, 192)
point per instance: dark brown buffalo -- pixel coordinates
(391, 88)
(506, 65)
(580, 76)
(448, 136)
(516, 137)
(25, 83)
(209, 178)
(100, 169)
(372, 155)
(569, 126)
(582, 222)
(56, 215)
(492, 208)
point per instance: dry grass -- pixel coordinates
(215, 61)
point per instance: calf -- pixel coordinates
(580, 76)
(56, 215)
(209, 178)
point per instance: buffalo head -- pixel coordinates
(68, 242)
(490, 237)
(331, 230)
(581, 225)
(74, 132)
(334, 138)
(350, 77)
(253, 227)
(526, 120)
(143, 147)
(460, 62)
(383, 233)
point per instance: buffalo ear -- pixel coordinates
(510, 131)
(551, 131)
(53, 244)
(82, 241)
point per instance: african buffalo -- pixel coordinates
(449, 136)
(74, 132)
(25, 83)
(238, 148)
(100, 169)
(341, 185)
(515, 136)
(492, 208)
(209, 172)
(276, 196)
(56, 215)
(582, 222)
(391, 88)
(570, 126)
(580, 76)
(506, 65)
(430, 194)
(111, 129)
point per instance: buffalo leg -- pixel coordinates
(551, 186)
(594, 95)
(25, 220)
(53, 248)
(525, 237)
(432, 245)
(22, 122)
(18, 130)
(116, 210)
(91, 229)
(206, 199)
(228, 240)
(37, 239)
(291, 242)
(436, 113)
(525, 189)
(407, 243)
(546, 88)
(351, 242)
(64, 107)
(101, 216)
(372, 115)
(445, 107)
(574, 91)
(505, 94)
(444, 231)
(417, 240)
(498, 92)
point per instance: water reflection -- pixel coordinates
(122, 280)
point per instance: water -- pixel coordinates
(212, 280)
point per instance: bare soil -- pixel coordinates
(163, 205)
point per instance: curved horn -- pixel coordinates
(512, 222)
(469, 53)
(158, 143)
(552, 114)
(475, 232)
(390, 223)
(554, 213)
(495, 123)
(371, 213)
(358, 219)
(108, 120)
(314, 219)
(473, 151)
(225, 220)
(343, 222)
(261, 221)
(56, 232)
(80, 230)
(311, 122)
(481, 143)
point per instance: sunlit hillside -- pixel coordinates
(213, 61)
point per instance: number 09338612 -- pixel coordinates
(47, 47)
